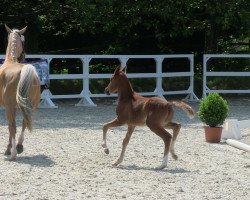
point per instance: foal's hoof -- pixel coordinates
(161, 167)
(106, 150)
(119, 161)
(7, 153)
(13, 159)
(175, 157)
(19, 148)
(115, 164)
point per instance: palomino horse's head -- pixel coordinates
(16, 43)
(116, 80)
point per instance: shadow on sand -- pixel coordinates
(172, 171)
(36, 161)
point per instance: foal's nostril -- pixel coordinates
(107, 91)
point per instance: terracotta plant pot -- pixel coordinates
(213, 134)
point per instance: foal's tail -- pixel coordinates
(190, 112)
(28, 73)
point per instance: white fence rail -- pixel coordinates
(206, 58)
(86, 95)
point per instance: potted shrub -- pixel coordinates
(213, 112)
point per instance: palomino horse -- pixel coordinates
(19, 88)
(135, 110)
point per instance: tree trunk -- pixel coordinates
(211, 38)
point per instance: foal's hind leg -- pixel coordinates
(176, 129)
(124, 144)
(19, 146)
(166, 136)
(113, 123)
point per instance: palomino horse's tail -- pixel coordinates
(27, 75)
(190, 112)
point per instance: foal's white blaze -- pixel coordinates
(13, 149)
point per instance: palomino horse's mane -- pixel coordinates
(13, 38)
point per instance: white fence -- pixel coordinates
(86, 95)
(206, 73)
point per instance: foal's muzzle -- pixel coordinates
(107, 91)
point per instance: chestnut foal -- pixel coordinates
(135, 110)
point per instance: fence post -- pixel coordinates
(123, 61)
(158, 89)
(86, 100)
(46, 95)
(191, 96)
(205, 59)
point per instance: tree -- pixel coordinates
(133, 26)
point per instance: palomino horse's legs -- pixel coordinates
(19, 146)
(176, 129)
(124, 144)
(166, 137)
(113, 123)
(7, 152)
(11, 116)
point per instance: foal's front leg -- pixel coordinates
(113, 123)
(124, 144)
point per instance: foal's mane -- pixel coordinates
(128, 88)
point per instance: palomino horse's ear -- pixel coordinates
(117, 70)
(125, 69)
(8, 29)
(23, 30)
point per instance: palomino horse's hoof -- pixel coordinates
(7, 152)
(19, 148)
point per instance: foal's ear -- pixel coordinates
(117, 70)
(23, 30)
(125, 69)
(8, 29)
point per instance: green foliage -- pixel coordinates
(129, 27)
(116, 26)
(101, 68)
(213, 110)
(65, 87)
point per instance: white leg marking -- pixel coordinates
(13, 149)
(172, 147)
(104, 142)
(21, 138)
(164, 162)
(172, 151)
